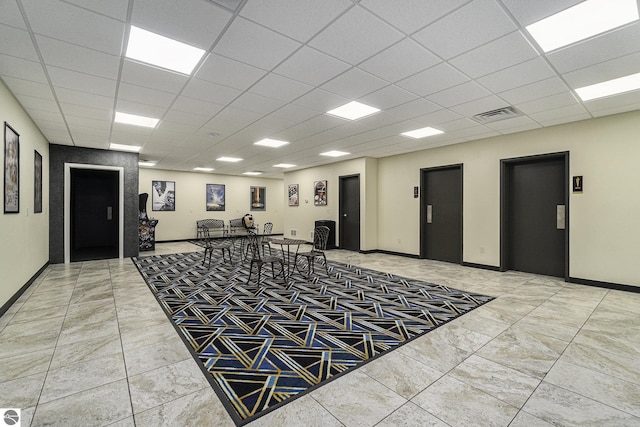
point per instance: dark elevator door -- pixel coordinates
(442, 214)
(94, 214)
(349, 213)
(536, 240)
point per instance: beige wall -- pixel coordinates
(25, 236)
(191, 201)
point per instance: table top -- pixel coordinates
(287, 241)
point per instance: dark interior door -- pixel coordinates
(536, 197)
(442, 214)
(94, 214)
(349, 213)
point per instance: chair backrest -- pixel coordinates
(254, 245)
(320, 238)
(235, 224)
(268, 226)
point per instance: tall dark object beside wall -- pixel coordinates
(331, 242)
(61, 154)
(147, 226)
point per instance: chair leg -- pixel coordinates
(326, 267)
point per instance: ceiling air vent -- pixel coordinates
(496, 115)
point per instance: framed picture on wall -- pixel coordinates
(320, 193)
(37, 182)
(294, 192)
(215, 197)
(11, 170)
(163, 196)
(258, 198)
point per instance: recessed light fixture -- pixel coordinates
(284, 165)
(154, 49)
(334, 153)
(271, 143)
(228, 159)
(146, 163)
(353, 110)
(203, 169)
(252, 173)
(132, 119)
(584, 20)
(610, 87)
(422, 132)
(121, 147)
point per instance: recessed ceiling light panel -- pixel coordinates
(203, 169)
(422, 132)
(284, 165)
(252, 173)
(121, 147)
(353, 110)
(132, 119)
(334, 153)
(147, 164)
(610, 87)
(154, 49)
(271, 143)
(228, 159)
(584, 20)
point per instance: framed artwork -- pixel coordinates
(163, 196)
(294, 192)
(215, 197)
(320, 193)
(37, 182)
(258, 198)
(11, 170)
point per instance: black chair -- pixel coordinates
(265, 241)
(320, 238)
(254, 251)
(211, 244)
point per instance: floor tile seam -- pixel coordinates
(415, 404)
(172, 400)
(311, 395)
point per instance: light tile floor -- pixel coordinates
(88, 345)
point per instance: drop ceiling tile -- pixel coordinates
(91, 113)
(515, 124)
(256, 103)
(553, 102)
(412, 14)
(502, 53)
(478, 106)
(198, 25)
(354, 84)
(229, 72)
(435, 79)
(614, 104)
(210, 92)
(437, 117)
(281, 88)
(518, 75)
(388, 97)
(615, 110)
(473, 25)
(25, 87)
(544, 116)
(528, 12)
(236, 116)
(73, 24)
(114, 8)
(99, 127)
(400, 61)
(414, 108)
(31, 102)
(541, 89)
(311, 66)
(145, 95)
(10, 14)
(311, 127)
(77, 58)
(321, 100)
(612, 69)
(196, 106)
(140, 109)
(152, 77)
(229, 4)
(22, 69)
(255, 45)
(83, 82)
(351, 26)
(300, 19)
(84, 99)
(460, 124)
(16, 42)
(460, 94)
(295, 113)
(614, 44)
(50, 116)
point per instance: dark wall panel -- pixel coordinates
(61, 154)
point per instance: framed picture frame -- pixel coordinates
(294, 195)
(258, 201)
(11, 170)
(37, 182)
(215, 197)
(163, 196)
(320, 193)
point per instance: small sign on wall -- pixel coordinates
(578, 184)
(416, 192)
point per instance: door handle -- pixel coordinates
(109, 213)
(429, 214)
(560, 217)
(344, 214)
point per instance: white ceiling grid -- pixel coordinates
(272, 69)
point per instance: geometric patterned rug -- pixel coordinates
(262, 345)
